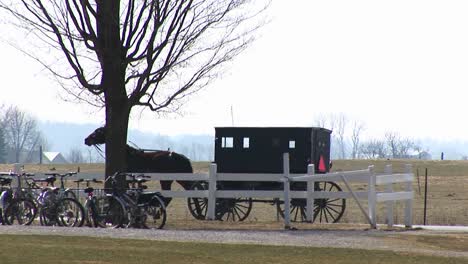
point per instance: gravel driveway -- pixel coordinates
(362, 239)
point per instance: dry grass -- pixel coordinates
(62, 249)
(447, 194)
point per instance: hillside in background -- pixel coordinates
(63, 137)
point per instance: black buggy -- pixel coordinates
(260, 150)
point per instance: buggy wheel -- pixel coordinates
(155, 214)
(198, 206)
(232, 209)
(20, 211)
(297, 209)
(326, 210)
(227, 209)
(109, 212)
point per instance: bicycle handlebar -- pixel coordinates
(67, 174)
(15, 174)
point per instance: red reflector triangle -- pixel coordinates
(322, 167)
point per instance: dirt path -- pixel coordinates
(419, 241)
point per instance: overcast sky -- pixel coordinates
(395, 65)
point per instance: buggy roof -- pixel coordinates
(233, 129)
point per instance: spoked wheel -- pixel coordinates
(232, 209)
(198, 206)
(20, 211)
(325, 210)
(70, 213)
(155, 214)
(227, 209)
(108, 212)
(48, 215)
(328, 210)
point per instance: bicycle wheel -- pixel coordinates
(48, 215)
(70, 212)
(108, 212)
(20, 211)
(155, 214)
(88, 207)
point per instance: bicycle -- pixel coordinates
(57, 209)
(19, 204)
(5, 188)
(131, 208)
(90, 202)
(58, 205)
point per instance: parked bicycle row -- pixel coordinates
(39, 201)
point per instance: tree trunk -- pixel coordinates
(113, 83)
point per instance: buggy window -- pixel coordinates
(227, 142)
(246, 143)
(292, 144)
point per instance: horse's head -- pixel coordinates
(97, 137)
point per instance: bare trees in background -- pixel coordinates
(358, 127)
(341, 123)
(373, 149)
(399, 147)
(75, 156)
(20, 133)
(338, 124)
(3, 147)
(344, 139)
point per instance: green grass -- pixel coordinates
(61, 249)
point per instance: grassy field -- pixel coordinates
(447, 193)
(62, 249)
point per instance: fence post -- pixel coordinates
(409, 202)
(212, 192)
(287, 200)
(310, 193)
(371, 196)
(17, 169)
(389, 204)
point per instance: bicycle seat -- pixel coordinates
(79, 180)
(53, 189)
(48, 180)
(89, 190)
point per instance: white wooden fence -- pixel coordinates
(360, 176)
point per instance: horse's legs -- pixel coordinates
(166, 186)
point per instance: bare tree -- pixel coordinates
(21, 133)
(373, 149)
(3, 146)
(358, 126)
(393, 141)
(75, 156)
(144, 53)
(400, 147)
(341, 121)
(327, 121)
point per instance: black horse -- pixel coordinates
(158, 161)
